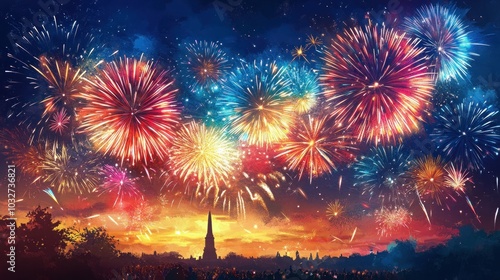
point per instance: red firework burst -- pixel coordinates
(130, 111)
(316, 146)
(377, 83)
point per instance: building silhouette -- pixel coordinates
(209, 250)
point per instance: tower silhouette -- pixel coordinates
(209, 251)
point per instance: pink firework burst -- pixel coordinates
(59, 121)
(118, 182)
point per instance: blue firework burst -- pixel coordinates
(382, 172)
(445, 38)
(257, 102)
(203, 70)
(304, 87)
(467, 133)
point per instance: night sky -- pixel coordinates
(142, 188)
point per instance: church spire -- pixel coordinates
(209, 251)
(209, 227)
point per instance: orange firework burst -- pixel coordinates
(313, 42)
(430, 177)
(316, 146)
(376, 82)
(130, 111)
(27, 155)
(64, 82)
(204, 154)
(391, 220)
(335, 210)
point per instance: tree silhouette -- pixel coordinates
(96, 242)
(41, 235)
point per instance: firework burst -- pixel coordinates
(304, 88)
(51, 60)
(457, 178)
(203, 154)
(66, 170)
(334, 210)
(429, 176)
(119, 182)
(383, 172)
(313, 41)
(130, 111)
(467, 133)
(59, 121)
(316, 146)
(205, 65)
(299, 53)
(259, 103)
(28, 156)
(389, 221)
(64, 84)
(445, 39)
(140, 216)
(376, 83)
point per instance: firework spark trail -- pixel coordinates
(336, 238)
(353, 234)
(51, 194)
(93, 216)
(113, 220)
(472, 208)
(376, 83)
(340, 182)
(495, 219)
(423, 208)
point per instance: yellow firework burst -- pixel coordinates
(298, 53)
(203, 154)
